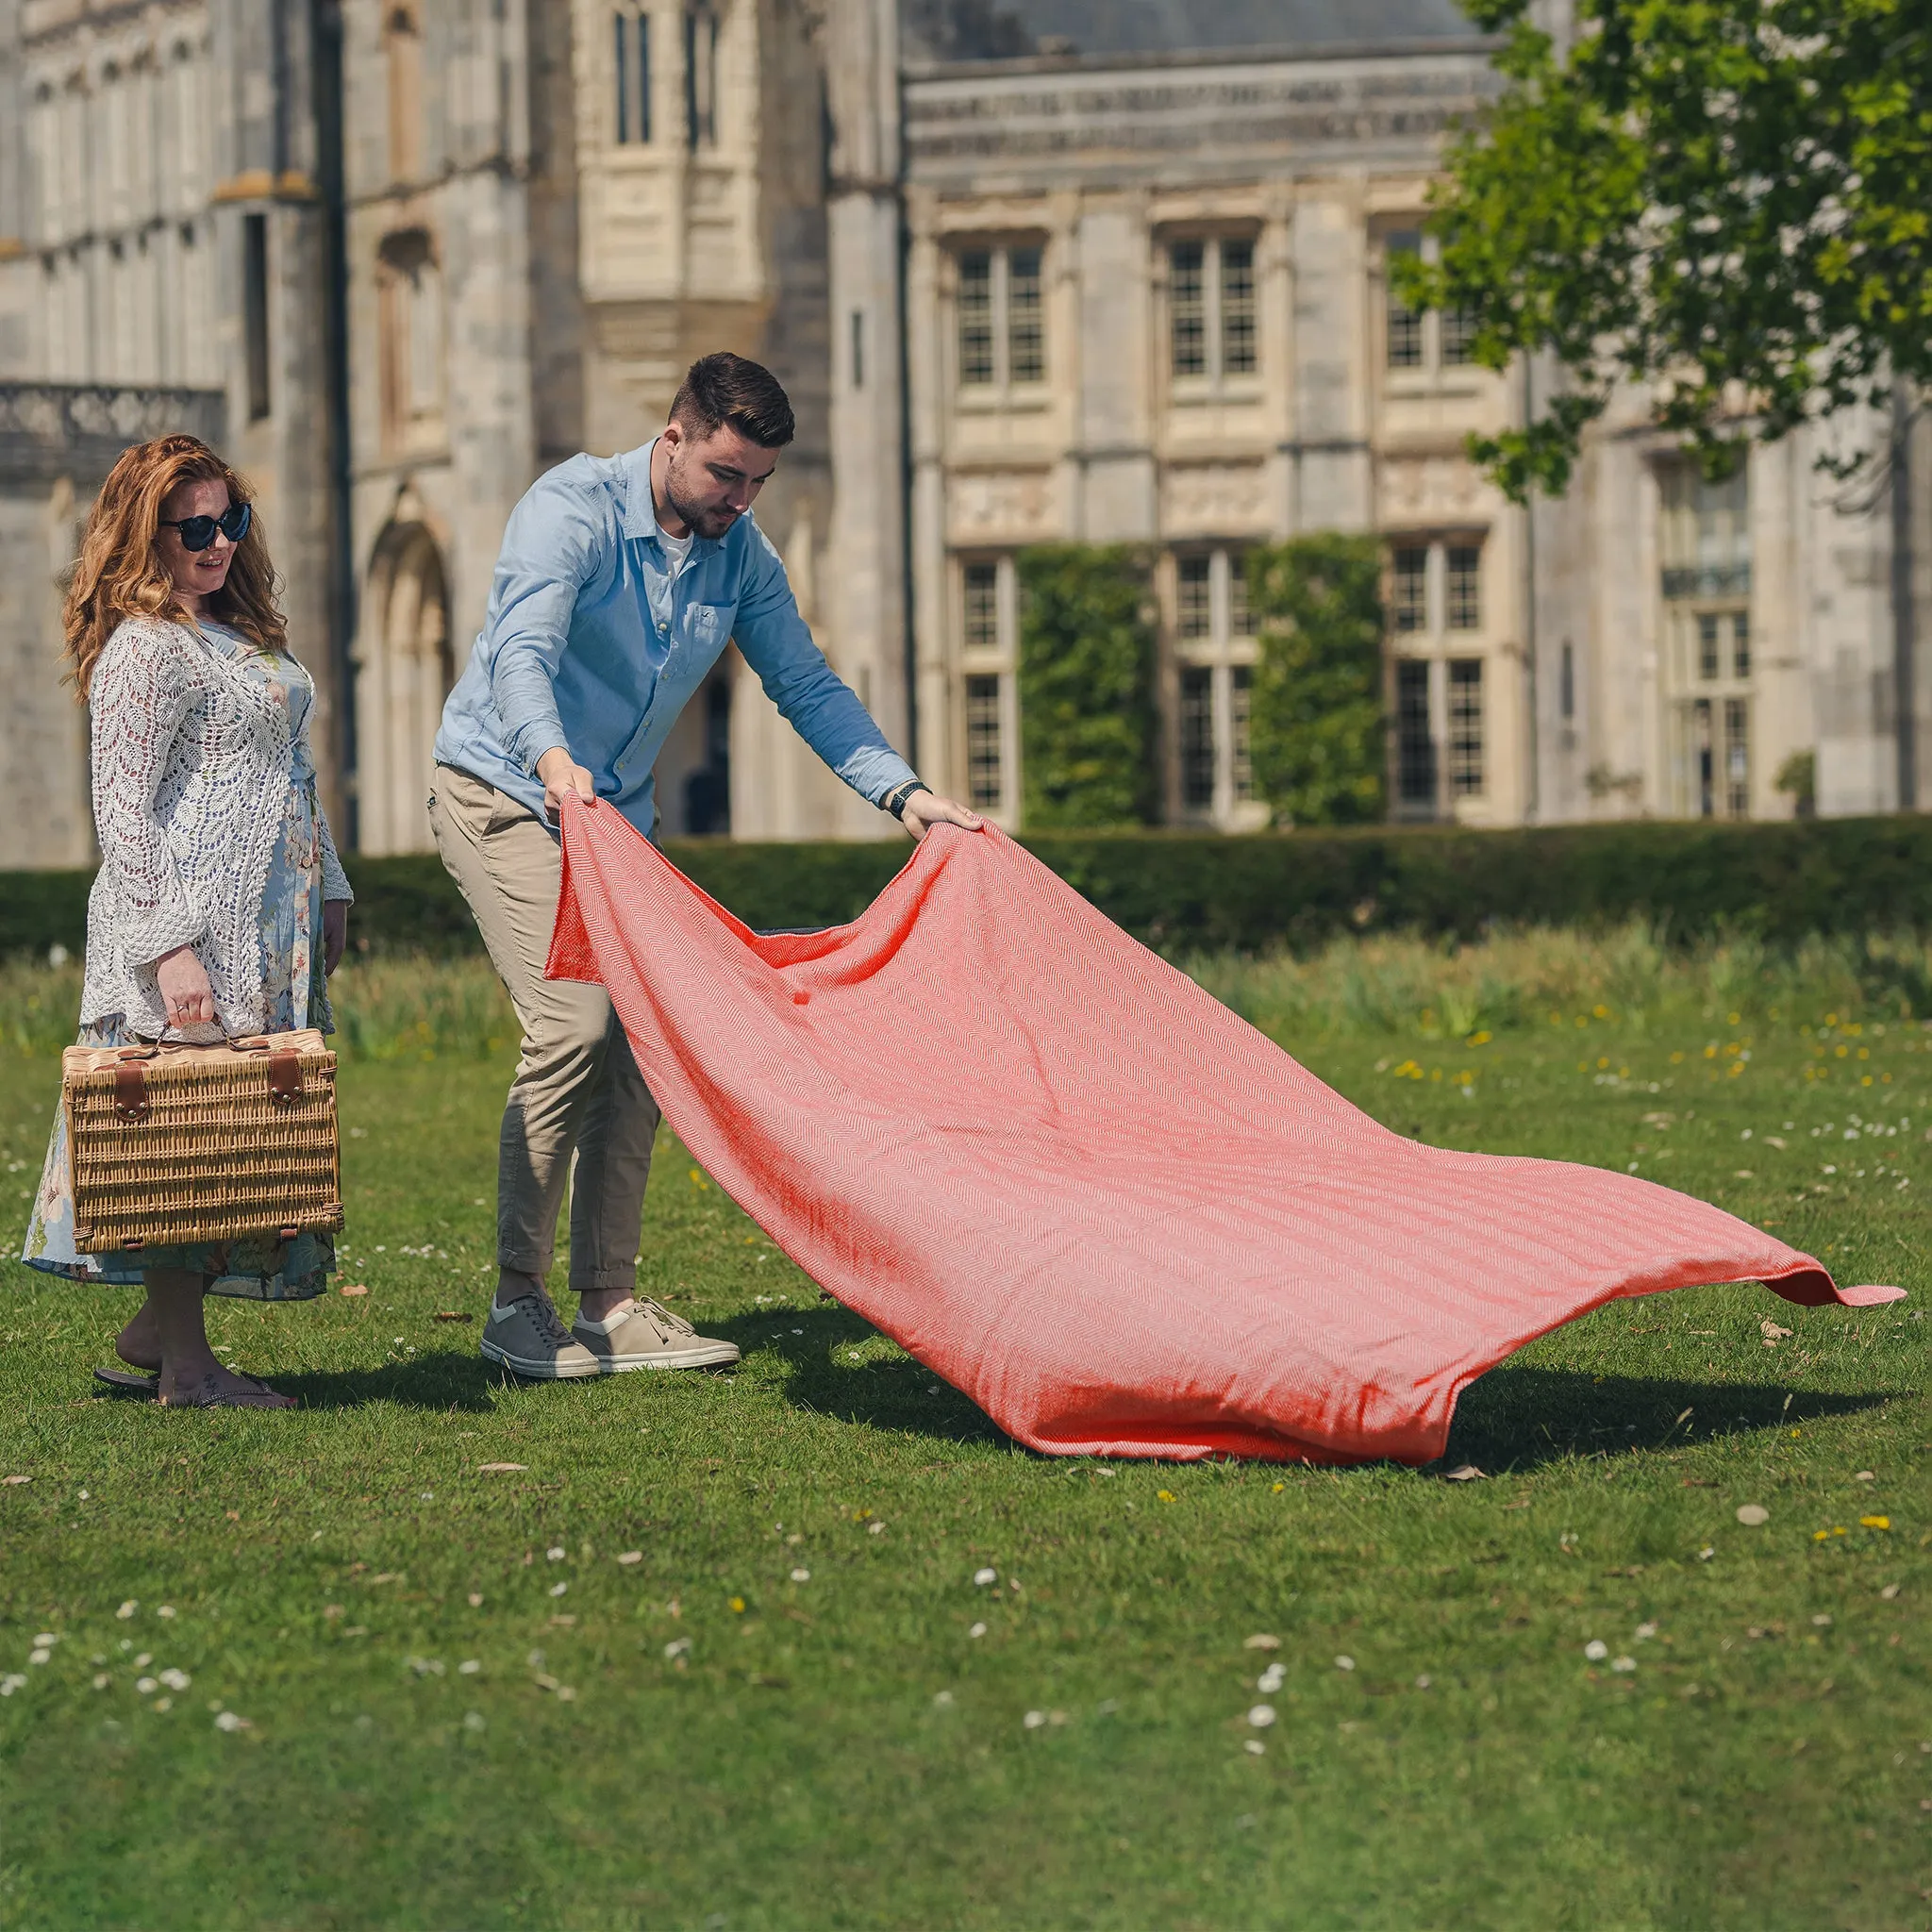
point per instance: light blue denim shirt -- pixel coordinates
(590, 643)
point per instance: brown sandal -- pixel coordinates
(210, 1394)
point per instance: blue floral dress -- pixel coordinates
(258, 1267)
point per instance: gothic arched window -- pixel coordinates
(409, 326)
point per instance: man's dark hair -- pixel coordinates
(725, 388)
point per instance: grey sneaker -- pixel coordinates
(529, 1338)
(641, 1335)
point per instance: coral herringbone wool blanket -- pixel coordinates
(1065, 1178)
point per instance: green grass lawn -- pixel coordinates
(712, 1653)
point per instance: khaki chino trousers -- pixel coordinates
(578, 1090)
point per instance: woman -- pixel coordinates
(218, 874)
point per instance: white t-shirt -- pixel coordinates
(676, 549)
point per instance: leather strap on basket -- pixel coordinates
(285, 1075)
(130, 1082)
(130, 1091)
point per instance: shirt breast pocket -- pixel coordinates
(706, 629)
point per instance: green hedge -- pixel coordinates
(1182, 890)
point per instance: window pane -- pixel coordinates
(1241, 619)
(1415, 746)
(633, 74)
(1025, 320)
(1197, 736)
(1458, 333)
(1706, 645)
(1193, 607)
(982, 630)
(1405, 325)
(984, 765)
(1465, 728)
(1241, 697)
(1464, 588)
(1707, 535)
(622, 24)
(975, 317)
(1737, 758)
(1237, 308)
(1702, 759)
(255, 312)
(1408, 599)
(1741, 644)
(1187, 297)
(642, 34)
(701, 74)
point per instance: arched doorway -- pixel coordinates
(403, 672)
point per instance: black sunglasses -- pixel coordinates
(197, 533)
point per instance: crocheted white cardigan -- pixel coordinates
(190, 768)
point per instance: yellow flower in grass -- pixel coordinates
(1874, 1522)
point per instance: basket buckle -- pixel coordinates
(285, 1076)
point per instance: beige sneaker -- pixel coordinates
(641, 1335)
(529, 1337)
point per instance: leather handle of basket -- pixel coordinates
(161, 1043)
(285, 1075)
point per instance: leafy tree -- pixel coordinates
(1728, 199)
(1315, 729)
(1086, 686)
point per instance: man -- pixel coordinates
(620, 582)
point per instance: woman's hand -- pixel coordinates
(186, 995)
(923, 810)
(335, 933)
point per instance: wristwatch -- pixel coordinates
(895, 801)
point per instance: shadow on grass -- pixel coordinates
(1515, 1417)
(1518, 1417)
(443, 1381)
(898, 1394)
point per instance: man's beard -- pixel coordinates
(706, 521)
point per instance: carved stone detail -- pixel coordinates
(989, 506)
(1214, 499)
(1429, 489)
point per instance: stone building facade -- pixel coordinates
(165, 227)
(1081, 270)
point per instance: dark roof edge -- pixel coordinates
(1196, 57)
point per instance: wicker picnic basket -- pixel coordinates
(177, 1143)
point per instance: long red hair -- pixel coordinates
(120, 573)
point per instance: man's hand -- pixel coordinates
(335, 933)
(923, 811)
(560, 774)
(186, 995)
